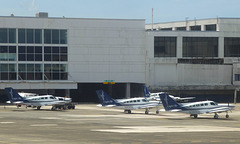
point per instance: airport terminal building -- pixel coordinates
(76, 56)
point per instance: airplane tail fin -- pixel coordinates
(13, 95)
(105, 99)
(146, 92)
(168, 102)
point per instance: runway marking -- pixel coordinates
(40, 125)
(50, 118)
(155, 129)
(6, 122)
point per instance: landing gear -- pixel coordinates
(127, 111)
(194, 115)
(53, 108)
(157, 112)
(146, 111)
(227, 116)
(38, 108)
(216, 116)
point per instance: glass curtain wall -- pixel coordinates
(165, 46)
(200, 47)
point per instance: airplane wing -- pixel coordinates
(218, 110)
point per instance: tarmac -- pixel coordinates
(89, 124)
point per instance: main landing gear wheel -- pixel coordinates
(127, 111)
(146, 112)
(216, 116)
(157, 112)
(227, 116)
(38, 108)
(195, 116)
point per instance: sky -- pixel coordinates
(163, 10)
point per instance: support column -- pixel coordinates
(67, 93)
(128, 90)
(235, 95)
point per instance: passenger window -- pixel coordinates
(202, 104)
(134, 101)
(206, 104)
(138, 100)
(197, 105)
(212, 103)
(46, 97)
(51, 98)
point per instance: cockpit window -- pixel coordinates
(51, 97)
(212, 103)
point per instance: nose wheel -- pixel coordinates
(216, 116)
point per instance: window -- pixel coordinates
(181, 28)
(7, 53)
(55, 53)
(55, 36)
(7, 35)
(237, 77)
(231, 47)
(206, 104)
(165, 46)
(212, 103)
(30, 53)
(30, 71)
(30, 36)
(55, 72)
(8, 72)
(195, 28)
(212, 27)
(200, 47)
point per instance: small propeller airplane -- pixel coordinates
(195, 108)
(127, 104)
(155, 96)
(35, 101)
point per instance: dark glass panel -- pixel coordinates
(55, 36)
(56, 76)
(47, 49)
(38, 76)
(22, 75)
(38, 57)
(55, 49)
(55, 57)
(30, 76)
(63, 36)
(22, 67)
(47, 76)
(63, 49)
(12, 76)
(47, 57)
(30, 57)
(12, 49)
(63, 76)
(30, 35)
(22, 49)
(47, 36)
(12, 35)
(38, 49)
(165, 46)
(22, 57)
(3, 35)
(30, 49)
(38, 36)
(3, 49)
(21, 35)
(63, 57)
(4, 76)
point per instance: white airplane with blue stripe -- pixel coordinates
(195, 108)
(34, 101)
(127, 104)
(155, 96)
